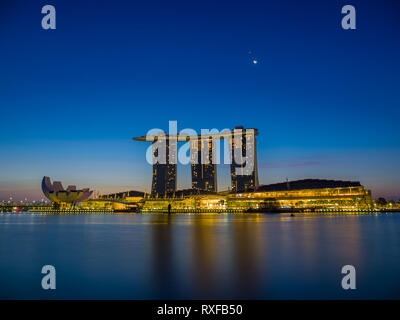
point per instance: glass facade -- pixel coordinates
(164, 166)
(203, 166)
(244, 169)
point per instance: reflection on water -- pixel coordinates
(254, 256)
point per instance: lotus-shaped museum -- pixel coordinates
(55, 192)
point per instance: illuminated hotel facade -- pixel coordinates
(246, 195)
(164, 169)
(302, 195)
(203, 164)
(242, 152)
(244, 168)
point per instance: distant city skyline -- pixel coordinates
(325, 100)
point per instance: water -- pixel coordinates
(134, 256)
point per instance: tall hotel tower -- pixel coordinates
(204, 168)
(244, 170)
(164, 173)
(243, 150)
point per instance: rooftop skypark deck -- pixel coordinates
(225, 134)
(243, 159)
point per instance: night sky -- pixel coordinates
(325, 100)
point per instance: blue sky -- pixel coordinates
(325, 100)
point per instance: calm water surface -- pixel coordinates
(134, 256)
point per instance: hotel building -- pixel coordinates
(203, 166)
(244, 168)
(164, 170)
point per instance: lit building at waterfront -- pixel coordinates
(244, 168)
(305, 194)
(246, 195)
(203, 165)
(56, 193)
(164, 169)
(242, 152)
(301, 195)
